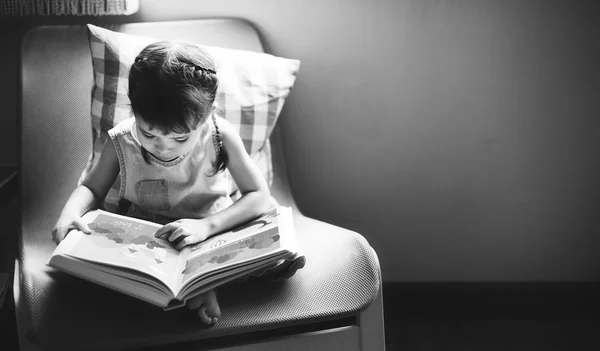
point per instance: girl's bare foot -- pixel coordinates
(206, 306)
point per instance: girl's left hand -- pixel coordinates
(188, 231)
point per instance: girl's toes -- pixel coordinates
(203, 316)
(212, 306)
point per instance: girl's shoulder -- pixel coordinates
(121, 128)
(228, 135)
(224, 127)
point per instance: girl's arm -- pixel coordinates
(255, 197)
(89, 194)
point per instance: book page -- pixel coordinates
(252, 240)
(126, 242)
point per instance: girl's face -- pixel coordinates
(165, 147)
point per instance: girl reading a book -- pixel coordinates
(171, 157)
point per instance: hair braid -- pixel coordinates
(221, 153)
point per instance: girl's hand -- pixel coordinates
(188, 231)
(67, 222)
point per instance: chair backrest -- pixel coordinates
(56, 83)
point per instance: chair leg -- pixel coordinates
(370, 321)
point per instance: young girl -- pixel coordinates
(171, 156)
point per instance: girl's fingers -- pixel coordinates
(81, 225)
(61, 232)
(167, 228)
(58, 234)
(176, 234)
(186, 241)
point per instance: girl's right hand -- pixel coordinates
(66, 223)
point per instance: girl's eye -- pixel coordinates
(181, 140)
(148, 136)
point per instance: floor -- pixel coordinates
(491, 333)
(492, 317)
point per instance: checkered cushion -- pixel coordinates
(252, 89)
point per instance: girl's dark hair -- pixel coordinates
(172, 87)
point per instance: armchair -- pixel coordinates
(334, 302)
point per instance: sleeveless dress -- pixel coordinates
(161, 191)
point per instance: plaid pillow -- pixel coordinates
(252, 89)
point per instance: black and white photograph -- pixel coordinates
(300, 175)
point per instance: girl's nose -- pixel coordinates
(160, 147)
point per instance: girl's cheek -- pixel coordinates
(188, 146)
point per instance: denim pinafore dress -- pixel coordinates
(161, 191)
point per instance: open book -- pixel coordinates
(123, 254)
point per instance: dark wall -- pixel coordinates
(460, 137)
